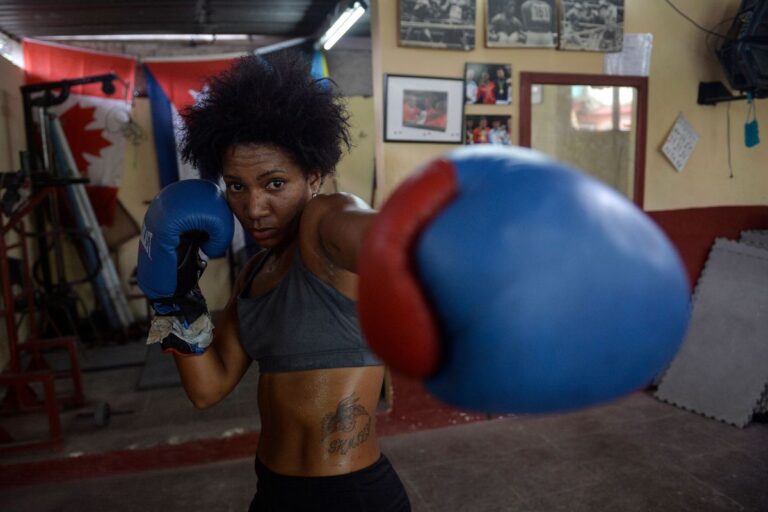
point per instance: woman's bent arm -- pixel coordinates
(212, 375)
(209, 377)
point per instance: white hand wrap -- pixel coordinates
(198, 335)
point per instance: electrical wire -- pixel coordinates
(681, 13)
(708, 38)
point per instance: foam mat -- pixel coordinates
(721, 370)
(755, 237)
(758, 238)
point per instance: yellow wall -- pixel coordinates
(11, 142)
(680, 60)
(354, 173)
(11, 116)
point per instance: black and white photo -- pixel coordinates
(423, 109)
(487, 84)
(592, 25)
(521, 23)
(448, 24)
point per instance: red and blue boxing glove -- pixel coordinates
(512, 283)
(185, 218)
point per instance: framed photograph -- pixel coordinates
(484, 129)
(423, 109)
(592, 25)
(448, 24)
(487, 84)
(521, 23)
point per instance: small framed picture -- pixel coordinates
(487, 84)
(448, 24)
(484, 129)
(521, 23)
(423, 109)
(592, 25)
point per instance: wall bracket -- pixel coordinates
(712, 93)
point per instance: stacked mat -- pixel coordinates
(758, 239)
(721, 370)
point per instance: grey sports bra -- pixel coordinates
(301, 324)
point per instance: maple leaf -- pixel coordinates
(82, 140)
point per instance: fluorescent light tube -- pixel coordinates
(340, 27)
(150, 37)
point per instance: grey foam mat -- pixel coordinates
(758, 238)
(721, 370)
(755, 237)
(159, 370)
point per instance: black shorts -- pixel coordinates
(376, 488)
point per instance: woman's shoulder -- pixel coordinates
(323, 208)
(337, 201)
(328, 229)
(319, 210)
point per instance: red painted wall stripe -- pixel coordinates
(694, 230)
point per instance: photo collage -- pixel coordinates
(428, 109)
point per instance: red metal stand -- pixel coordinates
(20, 396)
(22, 381)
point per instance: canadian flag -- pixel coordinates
(93, 121)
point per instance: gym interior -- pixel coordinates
(658, 100)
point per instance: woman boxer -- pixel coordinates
(273, 134)
(533, 330)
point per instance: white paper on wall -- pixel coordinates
(680, 143)
(634, 59)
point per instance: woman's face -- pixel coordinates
(267, 190)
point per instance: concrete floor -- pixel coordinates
(636, 454)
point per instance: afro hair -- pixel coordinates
(269, 100)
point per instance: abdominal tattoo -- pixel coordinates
(344, 421)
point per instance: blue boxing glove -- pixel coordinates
(514, 284)
(185, 218)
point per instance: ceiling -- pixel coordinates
(277, 18)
